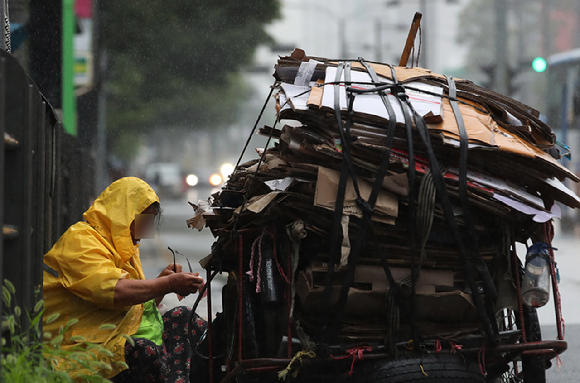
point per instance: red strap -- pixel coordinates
(455, 347)
(357, 354)
(481, 360)
(548, 236)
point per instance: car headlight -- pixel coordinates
(227, 169)
(192, 180)
(215, 179)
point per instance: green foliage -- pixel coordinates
(25, 358)
(174, 63)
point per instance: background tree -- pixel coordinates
(176, 63)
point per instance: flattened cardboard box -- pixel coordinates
(386, 207)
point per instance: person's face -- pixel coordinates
(144, 225)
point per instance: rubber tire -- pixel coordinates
(440, 368)
(533, 367)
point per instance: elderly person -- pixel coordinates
(98, 279)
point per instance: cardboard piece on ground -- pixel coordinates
(327, 187)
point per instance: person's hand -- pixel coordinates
(169, 269)
(184, 284)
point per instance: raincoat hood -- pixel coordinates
(114, 210)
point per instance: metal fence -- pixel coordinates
(46, 181)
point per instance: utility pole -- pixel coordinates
(378, 40)
(45, 48)
(577, 33)
(101, 81)
(521, 52)
(546, 35)
(501, 60)
(342, 35)
(101, 173)
(423, 35)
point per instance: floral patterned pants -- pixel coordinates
(170, 362)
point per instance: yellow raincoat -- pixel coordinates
(90, 258)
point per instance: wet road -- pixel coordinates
(570, 370)
(196, 245)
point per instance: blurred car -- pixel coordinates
(166, 178)
(206, 176)
(204, 181)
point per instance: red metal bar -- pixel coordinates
(240, 296)
(289, 298)
(548, 236)
(209, 325)
(549, 349)
(260, 369)
(515, 270)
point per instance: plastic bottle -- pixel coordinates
(536, 283)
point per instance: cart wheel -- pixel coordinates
(534, 367)
(432, 368)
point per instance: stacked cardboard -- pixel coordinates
(514, 181)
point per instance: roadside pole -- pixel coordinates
(101, 144)
(501, 59)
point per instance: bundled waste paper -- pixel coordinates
(383, 176)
